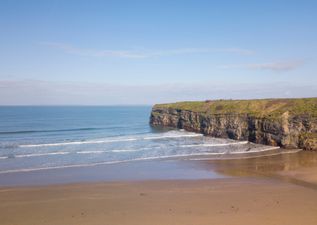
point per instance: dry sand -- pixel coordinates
(223, 201)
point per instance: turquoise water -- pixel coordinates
(40, 138)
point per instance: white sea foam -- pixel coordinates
(256, 150)
(115, 150)
(214, 145)
(41, 154)
(166, 136)
(78, 152)
(126, 150)
(173, 136)
(77, 143)
(252, 156)
(147, 158)
(84, 165)
(92, 152)
(193, 150)
(253, 150)
(104, 151)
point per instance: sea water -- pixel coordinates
(49, 137)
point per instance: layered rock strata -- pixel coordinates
(288, 123)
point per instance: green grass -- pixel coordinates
(257, 107)
(309, 135)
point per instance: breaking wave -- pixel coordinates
(188, 156)
(167, 136)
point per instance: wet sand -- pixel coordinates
(299, 168)
(267, 190)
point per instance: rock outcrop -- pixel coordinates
(288, 123)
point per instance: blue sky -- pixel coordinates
(146, 52)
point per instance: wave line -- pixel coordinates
(48, 131)
(215, 145)
(106, 141)
(41, 154)
(116, 162)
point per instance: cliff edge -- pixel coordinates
(288, 123)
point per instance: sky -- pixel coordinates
(146, 52)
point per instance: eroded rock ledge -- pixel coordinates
(288, 123)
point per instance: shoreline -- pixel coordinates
(192, 168)
(269, 164)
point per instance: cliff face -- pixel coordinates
(272, 122)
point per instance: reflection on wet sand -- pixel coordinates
(299, 168)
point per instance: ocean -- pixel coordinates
(36, 138)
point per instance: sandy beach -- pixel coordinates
(275, 197)
(224, 201)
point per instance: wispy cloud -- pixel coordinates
(36, 92)
(240, 51)
(280, 66)
(139, 54)
(93, 52)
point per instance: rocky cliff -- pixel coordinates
(288, 123)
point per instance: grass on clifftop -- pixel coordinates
(259, 107)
